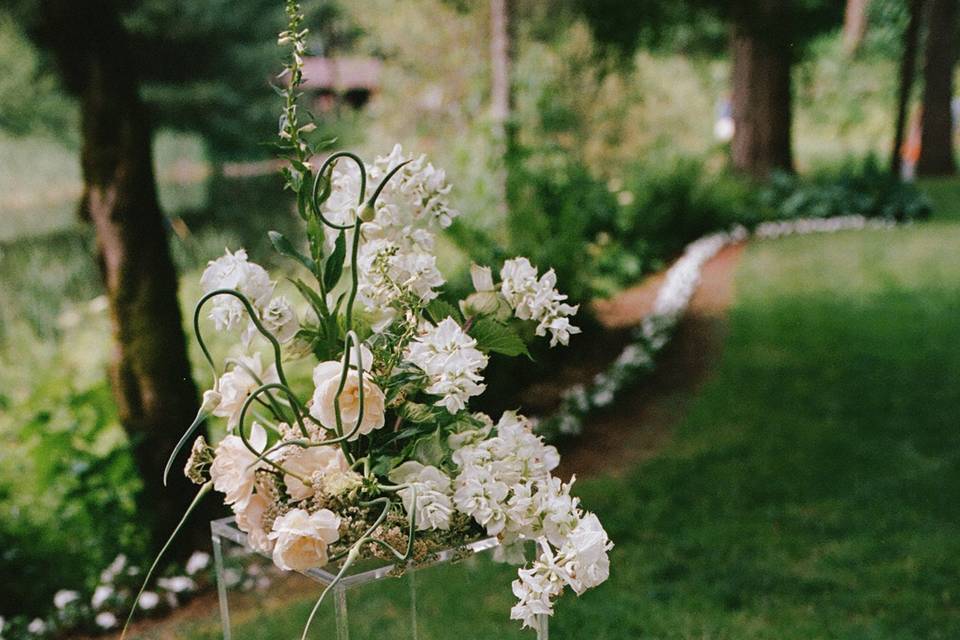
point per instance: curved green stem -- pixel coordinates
(314, 202)
(253, 318)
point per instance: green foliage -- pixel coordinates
(865, 189)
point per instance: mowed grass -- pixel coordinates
(812, 492)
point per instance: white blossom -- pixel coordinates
(197, 562)
(238, 383)
(101, 595)
(234, 467)
(452, 363)
(234, 271)
(105, 620)
(301, 538)
(280, 319)
(537, 299)
(64, 597)
(432, 488)
(148, 600)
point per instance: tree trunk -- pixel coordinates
(936, 133)
(500, 102)
(908, 71)
(854, 25)
(150, 372)
(762, 94)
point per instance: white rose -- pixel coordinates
(233, 469)
(312, 463)
(238, 383)
(326, 377)
(301, 539)
(280, 319)
(250, 521)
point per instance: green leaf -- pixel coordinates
(492, 336)
(285, 248)
(417, 413)
(439, 309)
(333, 268)
(318, 304)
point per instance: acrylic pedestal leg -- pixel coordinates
(221, 586)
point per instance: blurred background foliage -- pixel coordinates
(612, 164)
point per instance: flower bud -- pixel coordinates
(480, 304)
(211, 400)
(482, 278)
(366, 213)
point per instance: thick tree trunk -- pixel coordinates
(762, 94)
(150, 373)
(908, 72)
(854, 25)
(936, 133)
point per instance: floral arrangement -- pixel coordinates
(673, 298)
(380, 455)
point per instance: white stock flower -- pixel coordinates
(301, 539)
(432, 487)
(177, 584)
(539, 300)
(535, 588)
(101, 595)
(280, 319)
(314, 464)
(326, 378)
(237, 384)
(198, 561)
(105, 620)
(584, 554)
(234, 271)
(37, 627)
(64, 597)
(250, 521)
(234, 469)
(452, 363)
(148, 600)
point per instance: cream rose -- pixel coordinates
(312, 463)
(301, 539)
(233, 470)
(250, 521)
(238, 383)
(326, 377)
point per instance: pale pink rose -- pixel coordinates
(312, 463)
(301, 539)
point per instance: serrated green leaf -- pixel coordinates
(439, 309)
(285, 248)
(333, 268)
(492, 336)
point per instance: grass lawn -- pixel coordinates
(813, 491)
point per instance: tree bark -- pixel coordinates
(936, 132)
(908, 72)
(500, 96)
(854, 25)
(150, 372)
(762, 93)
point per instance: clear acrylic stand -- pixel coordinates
(450, 597)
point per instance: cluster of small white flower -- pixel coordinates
(673, 298)
(452, 363)
(505, 484)
(114, 592)
(537, 299)
(234, 271)
(395, 262)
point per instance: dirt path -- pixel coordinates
(642, 421)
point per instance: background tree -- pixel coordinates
(940, 57)
(907, 74)
(767, 37)
(150, 373)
